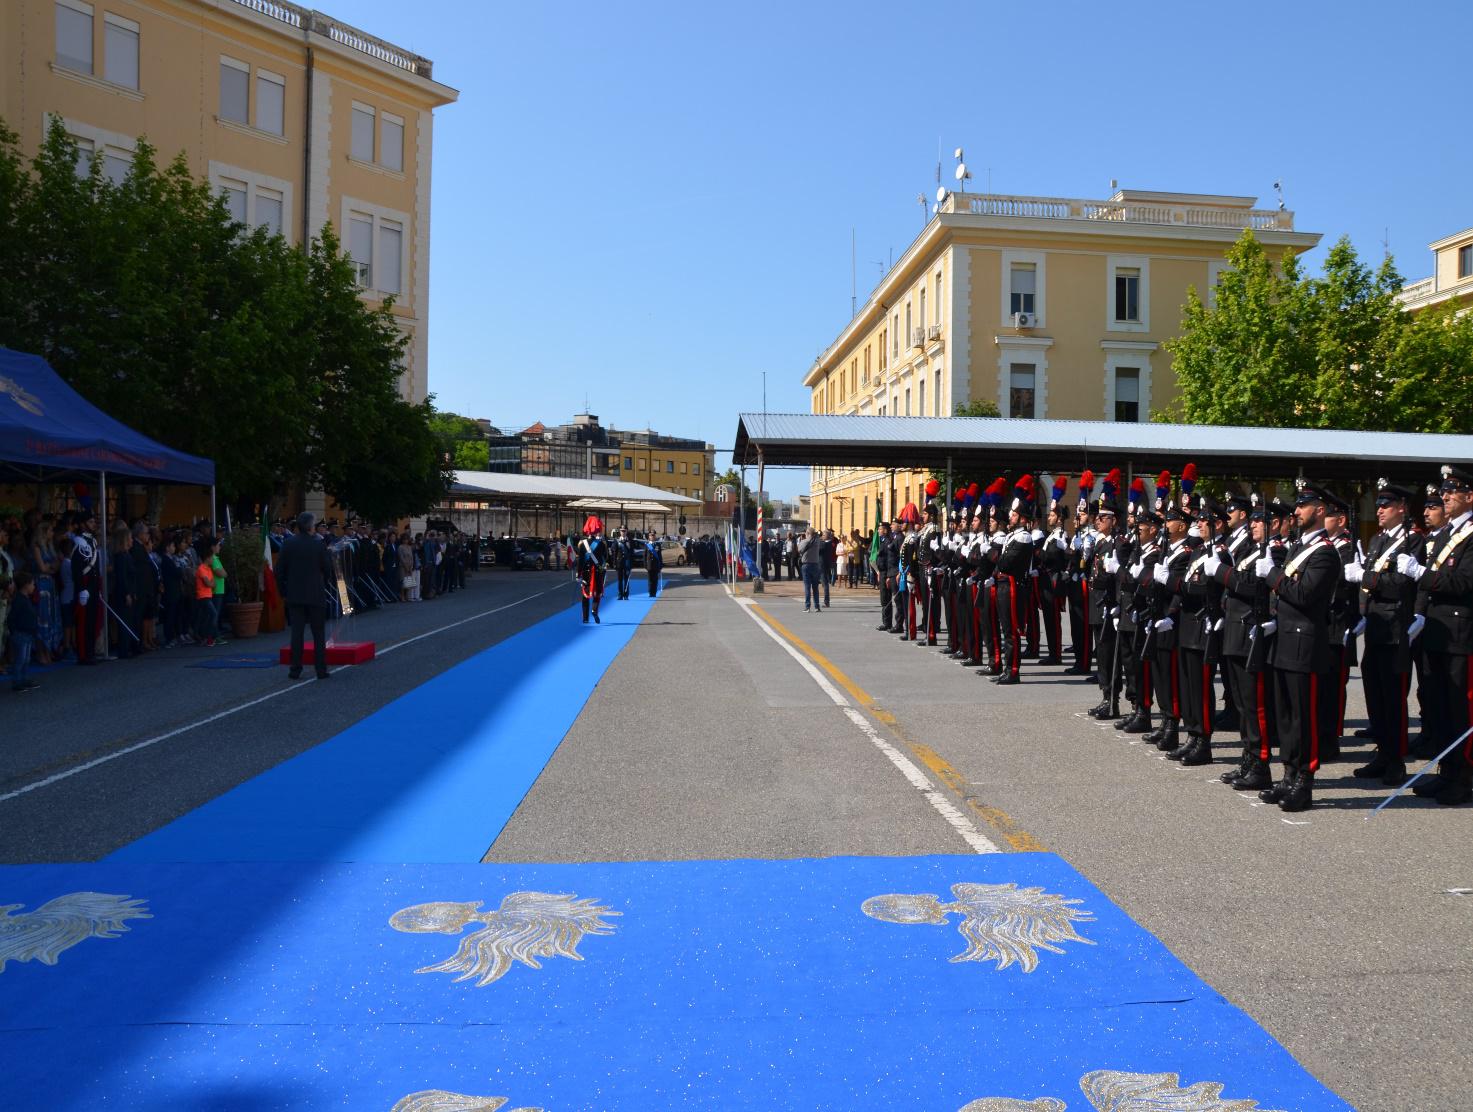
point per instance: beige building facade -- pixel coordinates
(1046, 307)
(296, 118)
(1452, 275)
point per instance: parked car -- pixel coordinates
(520, 552)
(671, 551)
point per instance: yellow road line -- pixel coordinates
(995, 817)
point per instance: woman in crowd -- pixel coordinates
(171, 577)
(45, 565)
(858, 553)
(841, 557)
(66, 593)
(408, 570)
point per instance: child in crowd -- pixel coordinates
(22, 623)
(204, 600)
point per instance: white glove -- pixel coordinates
(84, 598)
(1263, 566)
(1115, 613)
(1033, 573)
(1135, 570)
(1211, 564)
(1037, 535)
(1160, 573)
(1117, 623)
(1165, 625)
(1407, 565)
(1062, 543)
(1111, 565)
(1355, 572)
(1416, 627)
(1217, 625)
(1270, 628)
(1360, 627)
(990, 583)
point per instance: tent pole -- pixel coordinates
(102, 564)
(213, 527)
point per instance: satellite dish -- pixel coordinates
(940, 194)
(959, 155)
(935, 209)
(962, 173)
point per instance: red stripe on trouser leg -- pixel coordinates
(1468, 745)
(1016, 638)
(1262, 723)
(1340, 695)
(1175, 687)
(1402, 730)
(1314, 722)
(1206, 722)
(1146, 684)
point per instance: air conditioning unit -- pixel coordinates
(1024, 320)
(918, 337)
(933, 332)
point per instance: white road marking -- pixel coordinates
(918, 779)
(67, 773)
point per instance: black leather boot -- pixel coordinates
(1374, 770)
(1300, 796)
(1279, 791)
(1394, 775)
(1255, 777)
(1198, 754)
(1142, 724)
(1233, 775)
(1133, 716)
(1429, 787)
(1170, 736)
(1155, 736)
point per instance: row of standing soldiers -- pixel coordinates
(1278, 600)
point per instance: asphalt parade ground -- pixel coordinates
(714, 852)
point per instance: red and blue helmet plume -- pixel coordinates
(1086, 488)
(1163, 485)
(1188, 478)
(1061, 484)
(1137, 490)
(996, 491)
(1111, 486)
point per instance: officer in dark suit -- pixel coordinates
(1447, 580)
(1098, 588)
(1199, 637)
(1232, 569)
(1387, 610)
(303, 571)
(1163, 605)
(1304, 589)
(887, 562)
(1344, 616)
(623, 561)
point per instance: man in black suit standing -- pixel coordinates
(303, 571)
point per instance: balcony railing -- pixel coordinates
(306, 18)
(1413, 290)
(1128, 212)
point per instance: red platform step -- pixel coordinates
(344, 652)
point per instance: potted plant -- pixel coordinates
(242, 553)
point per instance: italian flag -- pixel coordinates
(273, 612)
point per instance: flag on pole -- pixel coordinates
(273, 610)
(874, 540)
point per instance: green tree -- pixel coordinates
(1358, 323)
(977, 407)
(1430, 386)
(1250, 358)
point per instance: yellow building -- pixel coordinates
(674, 463)
(1452, 275)
(297, 118)
(1046, 307)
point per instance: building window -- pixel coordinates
(1127, 394)
(235, 91)
(270, 102)
(921, 397)
(695, 469)
(909, 336)
(85, 148)
(628, 463)
(670, 467)
(938, 297)
(923, 306)
(1023, 288)
(865, 380)
(684, 467)
(937, 403)
(391, 142)
(883, 358)
(391, 256)
(234, 193)
(882, 411)
(116, 164)
(120, 51)
(1128, 294)
(363, 120)
(360, 247)
(74, 35)
(641, 463)
(269, 209)
(907, 401)
(1465, 261)
(895, 336)
(1021, 389)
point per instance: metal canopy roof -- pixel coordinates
(549, 490)
(1053, 447)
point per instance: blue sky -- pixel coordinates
(649, 205)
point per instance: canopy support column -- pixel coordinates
(102, 563)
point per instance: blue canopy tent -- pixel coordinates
(50, 433)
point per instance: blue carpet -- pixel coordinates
(735, 984)
(432, 776)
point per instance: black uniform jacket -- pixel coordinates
(1304, 596)
(303, 570)
(1388, 598)
(1242, 592)
(1449, 591)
